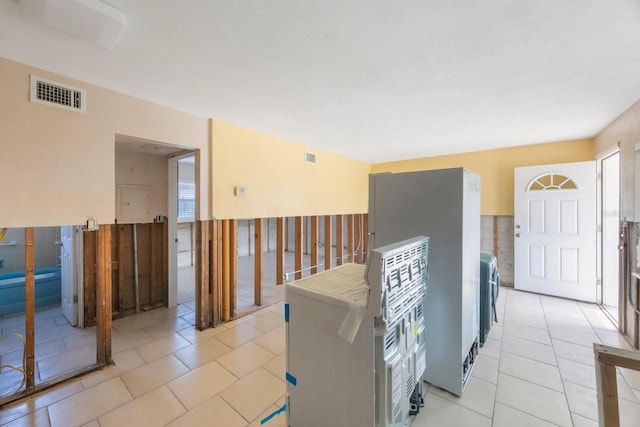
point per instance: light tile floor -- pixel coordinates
(536, 369)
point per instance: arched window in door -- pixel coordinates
(552, 181)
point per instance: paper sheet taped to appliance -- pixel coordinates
(347, 283)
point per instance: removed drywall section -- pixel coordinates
(495, 167)
(496, 236)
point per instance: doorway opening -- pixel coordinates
(182, 225)
(610, 169)
(157, 190)
(41, 340)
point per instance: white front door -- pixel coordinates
(68, 274)
(555, 230)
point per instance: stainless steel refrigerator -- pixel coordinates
(445, 206)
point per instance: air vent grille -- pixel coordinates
(48, 92)
(310, 157)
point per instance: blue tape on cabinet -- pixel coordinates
(291, 379)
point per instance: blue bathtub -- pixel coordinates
(12, 294)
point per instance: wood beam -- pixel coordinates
(606, 360)
(280, 246)
(359, 239)
(257, 275)
(226, 279)
(165, 260)
(30, 307)
(339, 239)
(327, 242)
(218, 271)
(299, 247)
(314, 243)
(233, 263)
(202, 319)
(121, 269)
(103, 296)
(365, 237)
(90, 276)
(153, 273)
(350, 238)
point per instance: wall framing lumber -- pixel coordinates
(258, 261)
(327, 242)
(217, 273)
(606, 360)
(365, 236)
(121, 263)
(280, 246)
(30, 307)
(233, 265)
(350, 238)
(339, 239)
(299, 247)
(202, 318)
(359, 239)
(226, 279)
(103, 296)
(314, 243)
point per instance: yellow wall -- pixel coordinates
(58, 166)
(495, 167)
(278, 182)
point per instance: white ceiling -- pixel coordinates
(370, 79)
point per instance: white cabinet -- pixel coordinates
(355, 340)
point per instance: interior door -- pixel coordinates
(555, 230)
(68, 274)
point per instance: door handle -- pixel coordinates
(517, 234)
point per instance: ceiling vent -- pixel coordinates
(48, 92)
(310, 157)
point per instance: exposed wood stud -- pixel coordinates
(314, 244)
(103, 296)
(350, 237)
(226, 265)
(30, 307)
(257, 241)
(365, 235)
(280, 246)
(90, 276)
(299, 247)
(218, 271)
(359, 239)
(606, 360)
(121, 264)
(165, 260)
(339, 239)
(212, 265)
(233, 264)
(327, 242)
(202, 319)
(153, 272)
